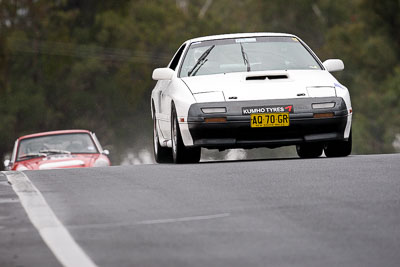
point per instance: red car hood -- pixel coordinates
(59, 161)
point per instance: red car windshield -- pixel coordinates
(80, 143)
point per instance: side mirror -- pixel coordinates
(332, 65)
(106, 152)
(163, 74)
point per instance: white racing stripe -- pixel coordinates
(52, 231)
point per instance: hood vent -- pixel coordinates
(269, 77)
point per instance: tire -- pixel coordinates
(312, 150)
(180, 153)
(339, 148)
(161, 154)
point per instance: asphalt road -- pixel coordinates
(286, 212)
(20, 243)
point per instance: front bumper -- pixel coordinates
(236, 132)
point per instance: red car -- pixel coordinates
(57, 149)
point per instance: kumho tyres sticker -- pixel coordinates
(267, 109)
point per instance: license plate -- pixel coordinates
(269, 120)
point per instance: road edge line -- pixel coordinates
(51, 230)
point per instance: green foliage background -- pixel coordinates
(87, 64)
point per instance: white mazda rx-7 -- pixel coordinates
(246, 91)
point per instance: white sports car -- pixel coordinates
(246, 91)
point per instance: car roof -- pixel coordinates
(53, 133)
(238, 35)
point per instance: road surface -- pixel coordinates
(286, 212)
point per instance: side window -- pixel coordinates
(175, 60)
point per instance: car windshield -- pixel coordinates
(56, 144)
(247, 54)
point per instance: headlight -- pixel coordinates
(324, 105)
(22, 168)
(215, 96)
(321, 91)
(213, 110)
(101, 162)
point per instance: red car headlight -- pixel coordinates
(21, 168)
(101, 162)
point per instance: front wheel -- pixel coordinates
(312, 150)
(180, 153)
(339, 148)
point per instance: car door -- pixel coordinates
(164, 98)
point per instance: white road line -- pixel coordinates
(186, 219)
(52, 231)
(9, 200)
(148, 222)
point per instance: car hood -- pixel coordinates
(60, 161)
(262, 85)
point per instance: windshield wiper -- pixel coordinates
(54, 151)
(245, 58)
(32, 155)
(200, 62)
